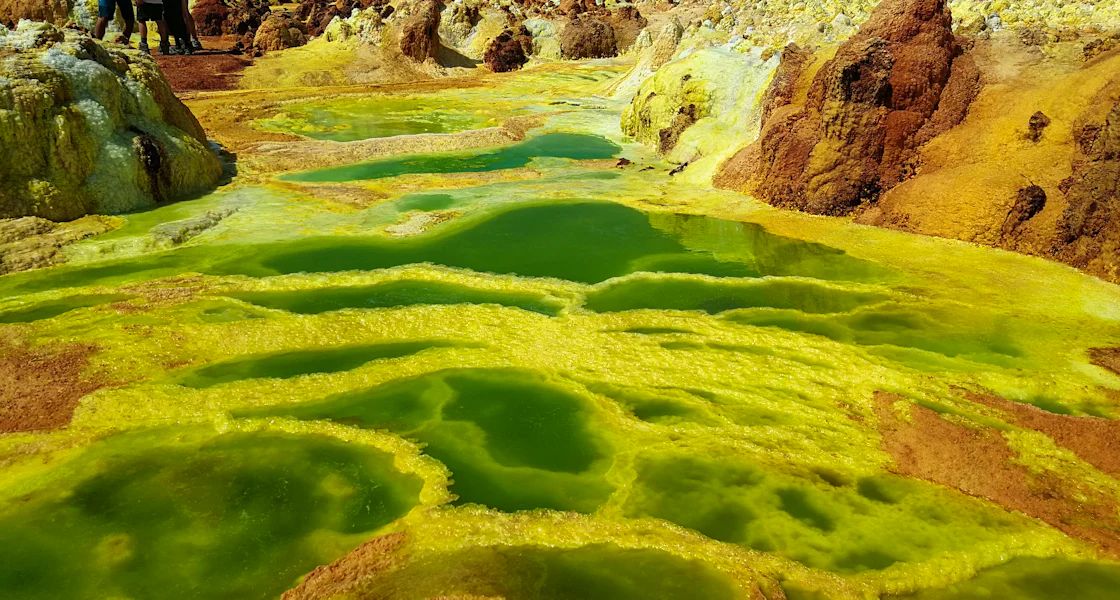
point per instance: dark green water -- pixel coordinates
(579, 241)
(286, 365)
(714, 298)
(552, 145)
(1035, 579)
(599, 572)
(154, 516)
(395, 294)
(512, 439)
(54, 308)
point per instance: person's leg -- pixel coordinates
(189, 18)
(173, 14)
(105, 11)
(164, 45)
(144, 36)
(129, 18)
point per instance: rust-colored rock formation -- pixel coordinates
(317, 14)
(239, 18)
(51, 11)
(898, 83)
(509, 51)
(279, 31)
(627, 23)
(420, 32)
(587, 36)
(1089, 230)
(210, 17)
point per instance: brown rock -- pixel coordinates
(587, 37)
(420, 32)
(210, 17)
(1035, 125)
(899, 82)
(1028, 203)
(780, 93)
(1089, 230)
(278, 32)
(317, 14)
(509, 51)
(668, 137)
(627, 23)
(51, 11)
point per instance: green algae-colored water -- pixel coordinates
(52, 309)
(551, 145)
(513, 440)
(366, 118)
(589, 383)
(181, 513)
(304, 362)
(395, 294)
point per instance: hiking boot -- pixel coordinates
(165, 49)
(143, 47)
(196, 45)
(183, 46)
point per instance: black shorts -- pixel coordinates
(149, 12)
(106, 9)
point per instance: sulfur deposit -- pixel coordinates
(85, 129)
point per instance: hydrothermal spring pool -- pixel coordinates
(592, 383)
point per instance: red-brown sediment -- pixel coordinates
(1094, 440)
(212, 69)
(1106, 358)
(979, 462)
(40, 387)
(372, 557)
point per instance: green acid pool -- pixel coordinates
(186, 514)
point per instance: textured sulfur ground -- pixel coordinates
(789, 403)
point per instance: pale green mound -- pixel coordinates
(91, 130)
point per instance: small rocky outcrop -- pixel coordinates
(85, 129)
(509, 51)
(1089, 229)
(50, 11)
(458, 22)
(420, 33)
(278, 32)
(210, 17)
(587, 36)
(898, 83)
(627, 23)
(239, 18)
(316, 15)
(1028, 202)
(33, 242)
